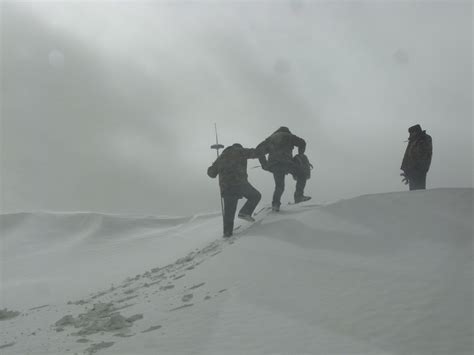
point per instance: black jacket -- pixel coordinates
(231, 166)
(279, 147)
(417, 157)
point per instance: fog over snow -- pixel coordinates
(109, 106)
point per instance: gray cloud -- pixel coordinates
(115, 113)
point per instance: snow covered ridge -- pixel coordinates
(377, 274)
(86, 222)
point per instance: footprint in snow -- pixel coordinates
(187, 298)
(7, 345)
(127, 299)
(39, 307)
(197, 286)
(156, 327)
(99, 346)
(122, 335)
(5, 314)
(184, 306)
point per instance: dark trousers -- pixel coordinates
(417, 181)
(230, 205)
(279, 176)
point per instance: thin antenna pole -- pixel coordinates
(217, 140)
(217, 151)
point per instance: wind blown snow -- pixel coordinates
(377, 274)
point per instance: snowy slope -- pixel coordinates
(378, 274)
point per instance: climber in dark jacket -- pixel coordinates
(279, 147)
(417, 159)
(231, 166)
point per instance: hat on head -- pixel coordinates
(237, 145)
(414, 129)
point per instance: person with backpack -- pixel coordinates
(279, 147)
(417, 158)
(231, 166)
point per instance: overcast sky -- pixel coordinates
(110, 106)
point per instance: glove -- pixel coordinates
(265, 166)
(404, 178)
(212, 172)
(263, 163)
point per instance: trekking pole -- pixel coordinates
(218, 146)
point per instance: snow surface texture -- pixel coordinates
(378, 274)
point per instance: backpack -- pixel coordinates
(301, 160)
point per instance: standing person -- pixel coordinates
(417, 159)
(279, 147)
(231, 166)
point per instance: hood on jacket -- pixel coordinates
(282, 129)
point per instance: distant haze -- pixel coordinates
(110, 106)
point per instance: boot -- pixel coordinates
(302, 199)
(246, 217)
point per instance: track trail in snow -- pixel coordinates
(377, 274)
(99, 315)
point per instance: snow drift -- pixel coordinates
(377, 274)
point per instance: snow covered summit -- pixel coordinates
(377, 274)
